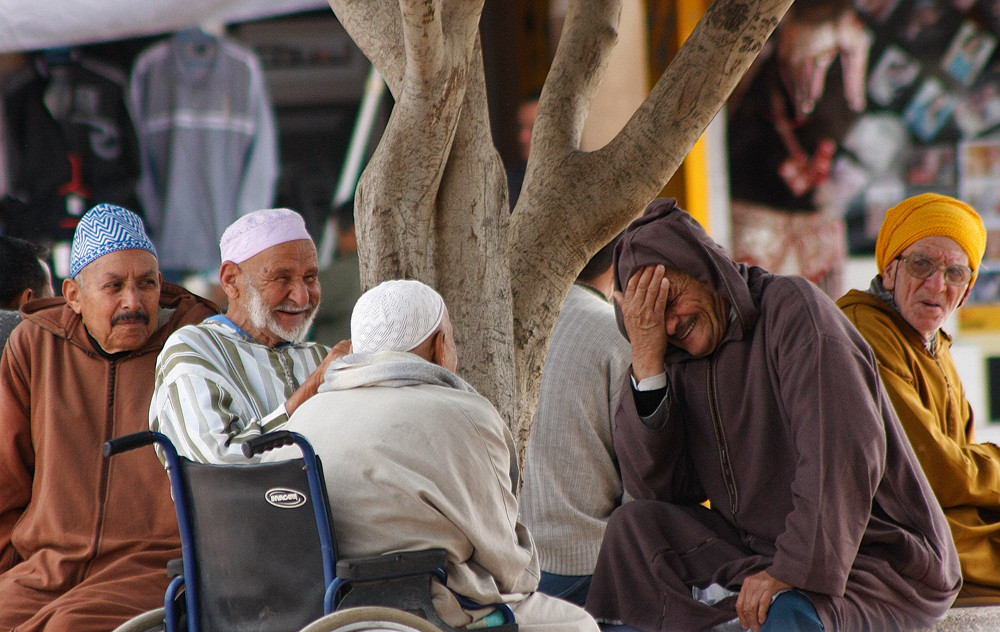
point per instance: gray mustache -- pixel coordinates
(138, 315)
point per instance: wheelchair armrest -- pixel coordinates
(391, 565)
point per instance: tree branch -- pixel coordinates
(375, 25)
(682, 103)
(589, 34)
(427, 68)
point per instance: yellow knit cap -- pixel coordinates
(930, 214)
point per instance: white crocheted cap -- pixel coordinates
(395, 316)
(256, 232)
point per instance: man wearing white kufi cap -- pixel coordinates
(231, 377)
(419, 460)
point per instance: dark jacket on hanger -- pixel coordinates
(70, 144)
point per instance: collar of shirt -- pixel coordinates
(225, 320)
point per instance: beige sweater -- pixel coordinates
(422, 466)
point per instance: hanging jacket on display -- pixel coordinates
(70, 144)
(208, 139)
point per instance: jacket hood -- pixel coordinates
(668, 235)
(176, 304)
(391, 369)
(856, 298)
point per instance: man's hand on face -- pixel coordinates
(755, 599)
(643, 306)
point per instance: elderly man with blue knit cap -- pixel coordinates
(84, 541)
(417, 459)
(223, 381)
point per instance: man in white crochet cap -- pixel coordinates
(414, 459)
(231, 377)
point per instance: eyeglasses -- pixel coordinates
(924, 267)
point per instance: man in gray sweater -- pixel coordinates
(571, 479)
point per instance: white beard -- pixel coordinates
(262, 317)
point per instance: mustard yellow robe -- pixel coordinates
(927, 392)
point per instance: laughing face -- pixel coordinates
(926, 303)
(277, 292)
(696, 316)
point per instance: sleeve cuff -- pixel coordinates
(653, 383)
(274, 421)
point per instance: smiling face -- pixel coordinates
(927, 303)
(696, 316)
(274, 294)
(118, 297)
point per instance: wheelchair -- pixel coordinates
(259, 555)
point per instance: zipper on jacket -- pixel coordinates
(720, 438)
(105, 467)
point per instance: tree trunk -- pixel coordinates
(432, 204)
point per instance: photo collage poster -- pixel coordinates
(932, 121)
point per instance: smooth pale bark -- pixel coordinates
(432, 204)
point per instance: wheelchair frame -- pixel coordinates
(378, 582)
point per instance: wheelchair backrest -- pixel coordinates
(256, 546)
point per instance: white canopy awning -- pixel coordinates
(37, 24)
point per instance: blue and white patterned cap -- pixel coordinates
(104, 229)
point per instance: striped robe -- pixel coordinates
(216, 387)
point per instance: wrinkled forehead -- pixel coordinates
(299, 254)
(684, 282)
(121, 264)
(675, 275)
(939, 247)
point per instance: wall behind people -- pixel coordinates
(315, 77)
(929, 123)
(788, 118)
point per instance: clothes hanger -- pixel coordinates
(198, 46)
(60, 56)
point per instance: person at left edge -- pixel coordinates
(84, 540)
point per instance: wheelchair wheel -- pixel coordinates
(371, 619)
(151, 621)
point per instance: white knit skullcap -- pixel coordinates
(395, 316)
(256, 232)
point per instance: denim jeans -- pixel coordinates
(572, 588)
(792, 612)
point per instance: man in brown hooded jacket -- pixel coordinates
(766, 402)
(84, 540)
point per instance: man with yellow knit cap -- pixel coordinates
(928, 253)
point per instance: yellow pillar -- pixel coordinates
(695, 166)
